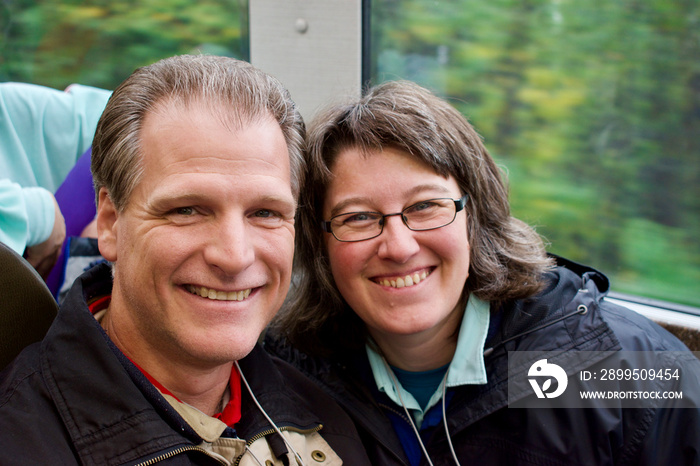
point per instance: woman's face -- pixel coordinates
(368, 273)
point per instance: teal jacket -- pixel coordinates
(43, 132)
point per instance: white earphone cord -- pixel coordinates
(252, 455)
(274, 426)
(410, 418)
(444, 419)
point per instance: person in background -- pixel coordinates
(31, 223)
(43, 133)
(197, 166)
(414, 286)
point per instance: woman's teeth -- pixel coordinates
(205, 292)
(402, 282)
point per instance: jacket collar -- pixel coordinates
(270, 388)
(552, 321)
(119, 415)
(107, 417)
(564, 317)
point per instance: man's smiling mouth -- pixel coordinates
(404, 280)
(216, 295)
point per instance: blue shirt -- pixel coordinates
(467, 365)
(421, 384)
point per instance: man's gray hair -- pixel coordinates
(235, 91)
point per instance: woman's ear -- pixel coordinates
(107, 219)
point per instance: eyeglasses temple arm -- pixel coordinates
(461, 202)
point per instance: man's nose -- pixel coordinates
(397, 241)
(230, 247)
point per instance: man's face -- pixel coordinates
(203, 249)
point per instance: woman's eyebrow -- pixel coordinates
(342, 205)
(428, 187)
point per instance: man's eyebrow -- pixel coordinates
(170, 197)
(342, 205)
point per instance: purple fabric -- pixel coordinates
(76, 198)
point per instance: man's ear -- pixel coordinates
(107, 217)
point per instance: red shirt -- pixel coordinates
(231, 413)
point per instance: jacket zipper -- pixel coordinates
(176, 452)
(403, 417)
(272, 431)
(400, 414)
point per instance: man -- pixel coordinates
(196, 162)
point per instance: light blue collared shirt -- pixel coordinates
(466, 368)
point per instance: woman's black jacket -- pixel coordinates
(570, 316)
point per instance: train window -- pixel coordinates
(56, 43)
(593, 107)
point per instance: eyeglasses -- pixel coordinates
(421, 216)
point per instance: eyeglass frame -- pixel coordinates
(459, 206)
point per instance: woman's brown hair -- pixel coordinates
(508, 257)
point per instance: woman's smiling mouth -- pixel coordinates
(404, 281)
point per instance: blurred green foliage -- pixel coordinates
(100, 42)
(592, 107)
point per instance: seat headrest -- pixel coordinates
(27, 307)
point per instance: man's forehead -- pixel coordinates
(193, 145)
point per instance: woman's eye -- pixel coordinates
(423, 206)
(360, 219)
(357, 218)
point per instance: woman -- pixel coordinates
(414, 283)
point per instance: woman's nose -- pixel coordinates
(397, 242)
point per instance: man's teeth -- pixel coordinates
(402, 282)
(205, 292)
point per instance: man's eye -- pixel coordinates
(265, 213)
(268, 218)
(184, 211)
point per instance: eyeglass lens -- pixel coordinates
(424, 215)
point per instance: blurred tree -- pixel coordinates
(100, 42)
(594, 109)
